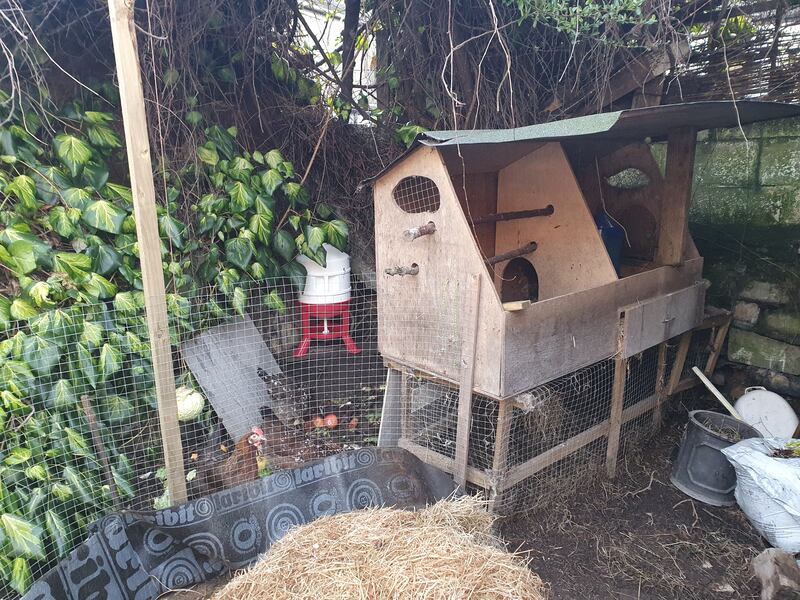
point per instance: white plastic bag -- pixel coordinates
(768, 490)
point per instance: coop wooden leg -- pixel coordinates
(661, 372)
(502, 435)
(615, 422)
(680, 360)
(469, 335)
(716, 349)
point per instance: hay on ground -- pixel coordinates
(446, 551)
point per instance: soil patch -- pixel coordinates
(639, 537)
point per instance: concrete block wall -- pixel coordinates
(745, 219)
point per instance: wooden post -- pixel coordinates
(661, 371)
(502, 435)
(676, 196)
(716, 347)
(469, 337)
(144, 204)
(615, 421)
(677, 364)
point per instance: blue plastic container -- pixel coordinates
(613, 237)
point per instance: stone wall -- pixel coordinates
(766, 329)
(749, 175)
(745, 220)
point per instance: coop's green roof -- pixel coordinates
(636, 123)
(633, 124)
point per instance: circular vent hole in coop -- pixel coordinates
(520, 281)
(642, 230)
(416, 194)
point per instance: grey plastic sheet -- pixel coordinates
(140, 555)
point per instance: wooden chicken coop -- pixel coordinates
(509, 261)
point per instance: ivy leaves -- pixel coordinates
(104, 216)
(24, 537)
(73, 152)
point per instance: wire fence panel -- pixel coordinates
(265, 382)
(80, 430)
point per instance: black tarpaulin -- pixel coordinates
(139, 555)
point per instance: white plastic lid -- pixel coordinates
(767, 412)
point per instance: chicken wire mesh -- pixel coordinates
(544, 443)
(417, 194)
(80, 427)
(81, 435)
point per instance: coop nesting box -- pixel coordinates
(519, 210)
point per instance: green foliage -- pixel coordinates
(579, 19)
(73, 313)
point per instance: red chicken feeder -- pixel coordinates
(325, 301)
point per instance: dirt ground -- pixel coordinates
(638, 537)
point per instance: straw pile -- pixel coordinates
(446, 551)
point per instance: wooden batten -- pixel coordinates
(134, 118)
(676, 196)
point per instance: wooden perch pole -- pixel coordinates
(417, 232)
(412, 270)
(134, 119)
(511, 216)
(526, 249)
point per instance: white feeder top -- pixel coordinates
(328, 284)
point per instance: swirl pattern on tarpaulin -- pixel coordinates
(139, 555)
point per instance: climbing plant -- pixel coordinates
(72, 310)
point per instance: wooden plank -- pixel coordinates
(661, 372)
(391, 413)
(418, 316)
(502, 439)
(554, 337)
(123, 34)
(571, 256)
(686, 384)
(405, 407)
(677, 364)
(570, 446)
(615, 421)
(638, 210)
(232, 364)
(650, 94)
(469, 336)
(716, 347)
(477, 194)
(440, 461)
(640, 70)
(677, 196)
(646, 324)
(516, 305)
(502, 433)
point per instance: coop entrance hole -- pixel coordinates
(520, 281)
